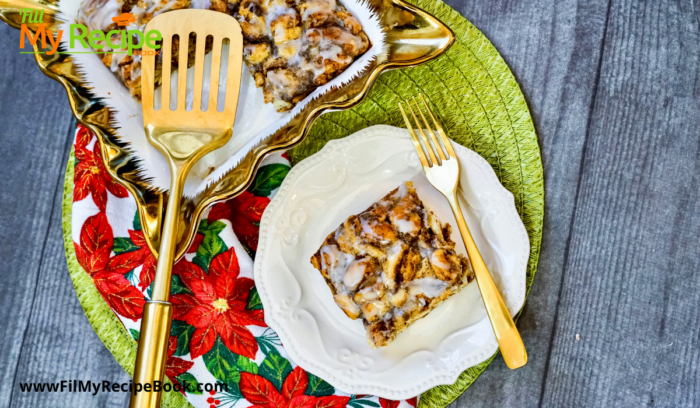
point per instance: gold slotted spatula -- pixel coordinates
(183, 136)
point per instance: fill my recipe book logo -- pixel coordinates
(130, 40)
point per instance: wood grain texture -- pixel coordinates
(32, 147)
(554, 49)
(631, 288)
(59, 343)
(46, 336)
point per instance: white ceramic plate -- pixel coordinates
(345, 178)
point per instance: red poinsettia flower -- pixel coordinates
(262, 393)
(198, 238)
(148, 269)
(175, 366)
(90, 175)
(386, 403)
(83, 137)
(93, 253)
(244, 212)
(217, 306)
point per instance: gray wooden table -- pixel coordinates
(613, 318)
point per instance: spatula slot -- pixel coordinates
(172, 64)
(223, 71)
(157, 73)
(192, 54)
(206, 77)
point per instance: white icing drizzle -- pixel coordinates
(354, 274)
(404, 226)
(368, 231)
(200, 4)
(339, 262)
(394, 251)
(425, 252)
(315, 6)
(279, 78)
(155, 10)
(435, 260)
(97, 15)
(403, 190)
(429, 287)
(276, 11)
(339, 232)
(116, 60)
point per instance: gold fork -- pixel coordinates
(183, 137)
(442, 170)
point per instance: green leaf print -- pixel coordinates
(137, 222)
(268, 179)
(222, 363)
(361, 402)
(134, 334)
(212, 245)
(268, 342)
(247, 365)
(189, 380)
(275, 368)
(230, 397)
(183, 332)
(318, 387)
(177, 287)
(254, 302)
(132, 278)
(123, 245)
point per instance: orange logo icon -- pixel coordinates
(124, 20)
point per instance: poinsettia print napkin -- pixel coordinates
(218, 333)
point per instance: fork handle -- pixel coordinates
(507, 335)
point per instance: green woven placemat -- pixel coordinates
(480, 106)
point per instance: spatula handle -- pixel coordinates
(158, 312)
(151, 355)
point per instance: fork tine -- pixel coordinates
(430, 131)
(429, 148)
(440, 130)
(416, 142)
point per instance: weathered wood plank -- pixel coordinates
(35, 118)
(45, 337)
(553, 48)
(631, 287)
(59, 343)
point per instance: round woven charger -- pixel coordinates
(480, 105)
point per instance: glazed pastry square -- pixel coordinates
(391, 265)
(291, 47)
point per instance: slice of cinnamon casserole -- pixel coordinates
(391, 265)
